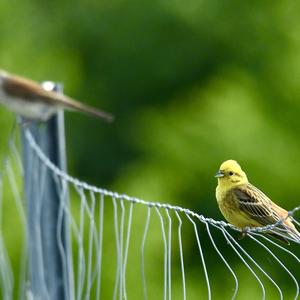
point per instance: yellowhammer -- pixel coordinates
(244, 205)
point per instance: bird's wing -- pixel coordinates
(257, 205)
(24, 88)
(28, 89)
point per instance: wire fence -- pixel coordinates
(123, 247)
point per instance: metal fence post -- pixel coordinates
(50, 266)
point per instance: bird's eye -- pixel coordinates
(230, 173)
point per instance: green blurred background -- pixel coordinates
(191, 84)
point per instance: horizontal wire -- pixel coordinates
(118, 196)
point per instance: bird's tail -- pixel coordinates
(72, 104)
(294, 234)
(90, 110)
(286, 232)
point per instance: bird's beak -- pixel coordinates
(219, 174)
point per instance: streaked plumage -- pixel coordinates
(30, 100)
(244, 205)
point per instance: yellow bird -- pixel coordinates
(244, 205)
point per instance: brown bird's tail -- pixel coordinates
(294, 234)
(75, 105)
(71, 104)
(286, 232)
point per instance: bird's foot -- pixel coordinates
(244, 233)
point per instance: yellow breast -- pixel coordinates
(229, 208)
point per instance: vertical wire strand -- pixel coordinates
(226, 234)
(225, 262)
(116, 222)
(257, 265)
(74, 234)
(63, 220)
(295, 221)
(280, 263)
(16, 155)
(68, 246)
(121, 270)
(99, 264)
(181, 254)
(91, 213)
(17, 197)
(278, 246)
(23, 265)
(202, 256)
(42, 173)
(96, 252)
(35, 227)
(127, 248)
(169, 254)
(81, 256)
(282, 233)
(24, 288)
(6, 272)
(165, 252)
(143, 253)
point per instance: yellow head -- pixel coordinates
(231, 174)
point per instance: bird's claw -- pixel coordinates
(244, 233)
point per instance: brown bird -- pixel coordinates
(244, 205)
(30, 100)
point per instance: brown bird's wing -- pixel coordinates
(256, 204)
(30, 90)
(259, 207)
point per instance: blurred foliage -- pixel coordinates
(191, 83)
